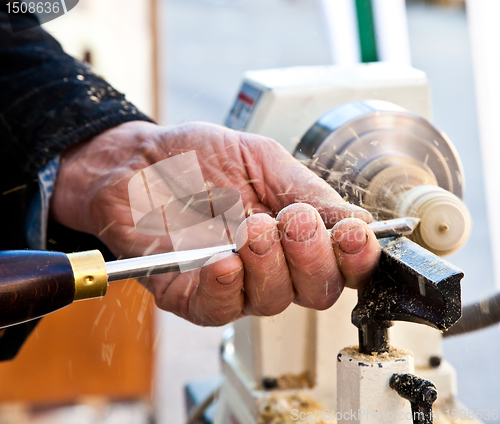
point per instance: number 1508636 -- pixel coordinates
(36, 7)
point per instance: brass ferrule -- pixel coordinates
(89, 270)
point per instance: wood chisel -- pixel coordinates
(36, 283)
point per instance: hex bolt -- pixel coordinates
(430, 394)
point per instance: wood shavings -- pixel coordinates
(394, 353)
(107, 228)
(152, 247)
(107, 352)
(293, 382)
(277, 409)
(12, 190)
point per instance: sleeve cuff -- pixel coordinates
(38, 213)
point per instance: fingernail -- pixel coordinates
(353, 240)
(230, 278)
(263, 243)
(302, 226)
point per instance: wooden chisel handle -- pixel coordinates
(36, 283)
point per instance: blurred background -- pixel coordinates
(186, 64)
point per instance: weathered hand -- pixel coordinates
(286, 255)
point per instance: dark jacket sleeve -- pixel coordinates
(48, 101)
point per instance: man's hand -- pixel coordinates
(287, 254)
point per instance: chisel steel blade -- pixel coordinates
(191, 259)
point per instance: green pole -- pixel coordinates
(366, 29)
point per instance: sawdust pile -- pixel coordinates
(277, 409)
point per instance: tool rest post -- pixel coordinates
(374, 337)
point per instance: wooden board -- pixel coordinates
(101, 347)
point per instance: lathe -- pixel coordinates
(376, 355)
